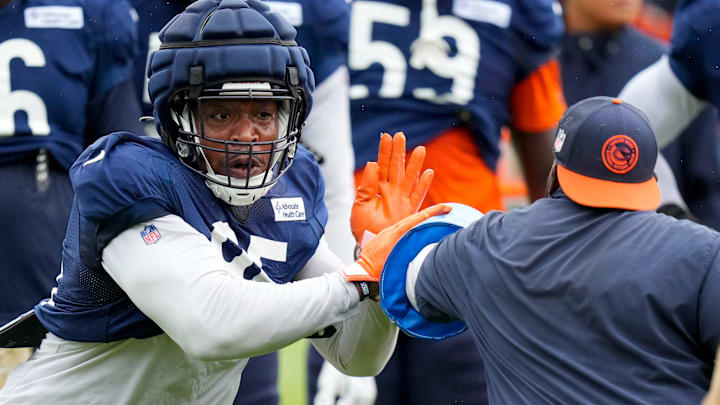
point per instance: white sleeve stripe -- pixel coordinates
(413, 271)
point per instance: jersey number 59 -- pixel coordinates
(429, 51)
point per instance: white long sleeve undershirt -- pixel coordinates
(658, 93)
(194, 295)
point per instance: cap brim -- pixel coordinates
(594, 192)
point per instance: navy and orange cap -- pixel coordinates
(606, 153)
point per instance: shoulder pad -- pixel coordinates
(538, 23)
(117, 171)
(695, 48)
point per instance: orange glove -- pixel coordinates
(369, 265)
(388, 192)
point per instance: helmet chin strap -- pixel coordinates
(238, 195)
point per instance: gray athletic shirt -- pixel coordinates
(570, 304)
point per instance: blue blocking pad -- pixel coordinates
(393, 299)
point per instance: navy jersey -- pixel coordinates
(152, 16)
(426, 66)
(695, 48)
(122, 180)
(56, 58)
(322, 29)
(569, 304)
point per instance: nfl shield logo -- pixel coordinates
(150, 234)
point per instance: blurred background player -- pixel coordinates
(601, 51)
(322, 29)
(450, 74)
(152, 16)
(65, 80)
(678, 87)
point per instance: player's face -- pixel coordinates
(608, 14)
(240, 121)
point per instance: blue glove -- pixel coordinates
(393, 299)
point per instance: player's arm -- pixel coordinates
(668, 104)
(204, 304)
(536, 105)
(361, 345)
(184, 285)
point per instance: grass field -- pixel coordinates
(292, 386)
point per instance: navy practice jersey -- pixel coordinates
(122, 180)
(576, 305)
(426, 66)
(152, 16)
(322, 29)
(695, 48)
(56, 58)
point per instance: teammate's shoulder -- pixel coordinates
(319, 12)
(694, 21)
(539, 22)
(118, 170)
(303, 176)
(698, 12)
(111, 23)
(305, 161)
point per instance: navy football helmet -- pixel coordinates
(230, 49)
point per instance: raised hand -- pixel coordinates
(388, 192)
(371, 261)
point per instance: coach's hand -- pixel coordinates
(713, 395)
(388, 192)
(371, 260)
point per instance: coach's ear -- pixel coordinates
(552, 180)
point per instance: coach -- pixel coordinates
(587, 296)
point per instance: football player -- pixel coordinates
(323, 28)
(180, 253)
(65, 79)
(152, 16)
(674, 90)
(451, 74)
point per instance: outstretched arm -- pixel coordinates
(206, 306)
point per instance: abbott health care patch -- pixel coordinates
(288, 209)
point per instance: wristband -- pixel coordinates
(364, 289)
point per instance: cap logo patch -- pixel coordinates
(559, 140)
(620, 154)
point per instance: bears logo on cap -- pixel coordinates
(620, 154)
